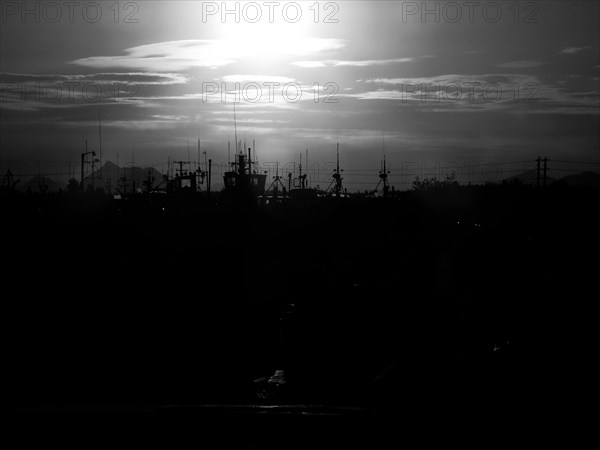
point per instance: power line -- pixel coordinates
(576, 162)
(566, 170)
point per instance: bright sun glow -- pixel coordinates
(263, 41)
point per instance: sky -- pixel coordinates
(480, 89)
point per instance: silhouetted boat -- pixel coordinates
(242, 180)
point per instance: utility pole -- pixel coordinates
(545, 169)
(539, 160)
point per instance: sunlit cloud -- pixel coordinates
(165, 56)
(186, 54)
(256, 78)
(309, 64)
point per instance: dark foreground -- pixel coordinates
(436, 314)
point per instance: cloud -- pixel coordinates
(282, 96)
(162, 56)
(309, 64)
(247, 121)
(138, 78)
(58, 91)
(378, 95)
(572, 50)
(256, 78)
(240, 112)
(520, 64)
(467, 93)
(342, 63)
(562, 110)
(175, 56)
(169, 117)
(373, 62)
(448, 79)
(157, 122)
(153, 124)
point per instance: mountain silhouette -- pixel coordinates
(112, 177)
(590, 179)
(530, 177)
(40, 183)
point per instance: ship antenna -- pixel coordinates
(100, 132)
(306, 162)
(205, 160)
(383, 173)
(189, 157)
(235, 128)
